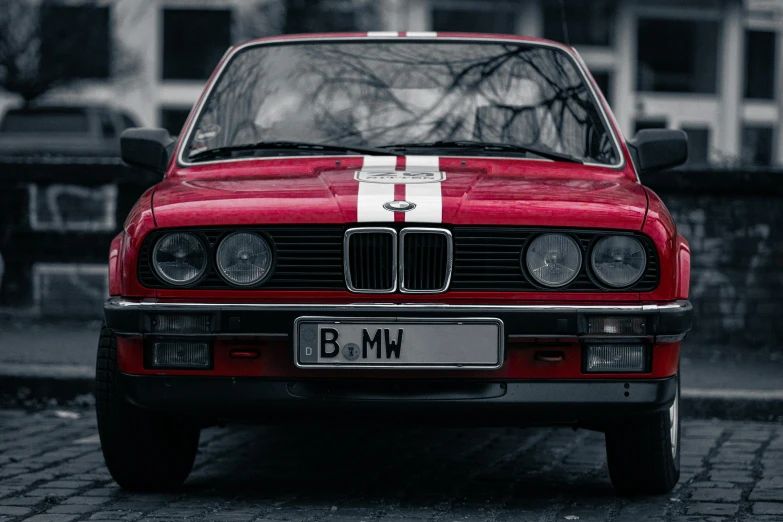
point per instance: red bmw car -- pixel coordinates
(396, 227)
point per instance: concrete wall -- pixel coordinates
(734, 224)
(55, 234)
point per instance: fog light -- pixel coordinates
(180, 324)
(180, 354)
(617, 325)
(608, 358)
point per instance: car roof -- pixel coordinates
(386, 35)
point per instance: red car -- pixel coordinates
(396, 227)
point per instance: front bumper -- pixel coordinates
(522, 392)
(461, 403)
(668, 322)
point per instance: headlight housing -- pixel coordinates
(553, 260)
(180, 258)
(618, 261)
(244, 259)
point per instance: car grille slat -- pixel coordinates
(370, 256)
(426, 260)
(305, 258)
(489, 258)
(475, 258)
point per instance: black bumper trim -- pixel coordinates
(671, 321)
(458, 402)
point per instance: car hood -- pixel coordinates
(475, 191)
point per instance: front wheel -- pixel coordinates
(643, 453)
(144, 451)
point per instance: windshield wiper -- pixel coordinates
(488, 146)
(228, 152)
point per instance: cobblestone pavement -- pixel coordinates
(51, 469)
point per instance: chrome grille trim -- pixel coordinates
(449, 259)
(349, 283)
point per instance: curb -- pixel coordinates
(19, 390)
(732, 404)
(30, 392)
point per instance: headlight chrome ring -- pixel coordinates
(618, 261)
(244, 259)
(180, 258)
(553, 260)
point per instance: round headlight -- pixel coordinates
(244, 259)
(618, 261)
(553, 260)
(179, 258)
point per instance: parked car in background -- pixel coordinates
(392, 227)
(58, 130)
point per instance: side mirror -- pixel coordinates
(659, 149)
(149, 149)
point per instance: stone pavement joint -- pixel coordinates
(51, 469)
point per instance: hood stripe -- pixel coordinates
(427, 196)
(372, 196)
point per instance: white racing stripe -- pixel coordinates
(372, 196)
(427, 196)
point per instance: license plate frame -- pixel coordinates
(496, 346)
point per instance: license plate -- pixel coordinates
(323, 342)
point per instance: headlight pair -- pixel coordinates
(554, 260)
(242, 258)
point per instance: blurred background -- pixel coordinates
(75, 73)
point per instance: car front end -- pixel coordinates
(463, 242)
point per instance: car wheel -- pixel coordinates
(643, 453)
(143, 450)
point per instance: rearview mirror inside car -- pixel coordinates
(659, 149)
(149, 149)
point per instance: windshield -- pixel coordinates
(383, 93)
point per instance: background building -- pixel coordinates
(709, 67)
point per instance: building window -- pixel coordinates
(194, 40)
(757, 145)
(603, 79)
(475, 17)
(173, 119)
(325, 16)
(588, 22)
(760, 65)
(677, 56)
(698, 145)
(74, 54)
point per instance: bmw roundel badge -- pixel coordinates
(399, 206)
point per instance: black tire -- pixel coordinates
(144, 451)
(640, 454)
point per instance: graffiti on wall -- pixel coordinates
(72, 208)
(71, 289)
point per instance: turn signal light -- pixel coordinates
(180, 324)
(616, 358)
(616, 325)
(181, 355)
